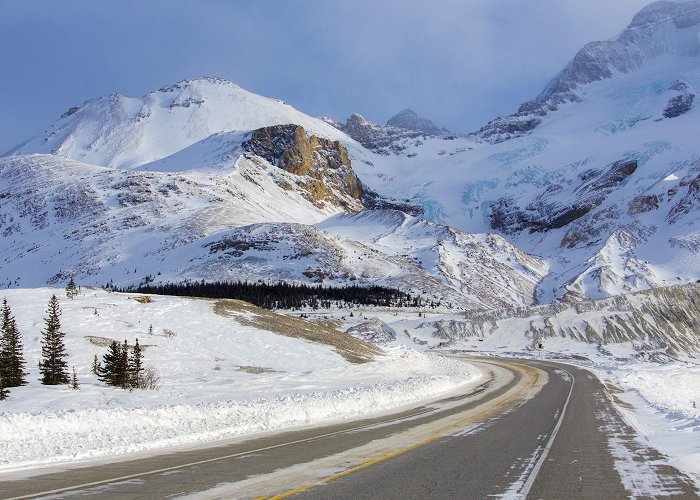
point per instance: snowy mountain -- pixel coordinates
(598, 176)
(409, 120)
(126, 132)
(662, 29)
(591, 189)
(401, 132)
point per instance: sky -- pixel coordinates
(457, 62)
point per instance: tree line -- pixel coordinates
(121, 366)
(283, 295)
(53, 365)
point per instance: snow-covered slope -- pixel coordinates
(125, 132)
(657, 325)
(226, 369)
(602, 189)
(603, 186)
(485, 267)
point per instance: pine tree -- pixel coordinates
(4, 393)
(74, 381)
(53, 367)
(71, 289)
(11, 358)
(95, 365)
(136, 365)
(114, 365)
(124, 366)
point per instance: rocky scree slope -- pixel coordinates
(660, 325)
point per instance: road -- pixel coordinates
(534, 429)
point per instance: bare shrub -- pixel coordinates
(168, 334)
(149, 379)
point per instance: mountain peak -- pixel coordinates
(682, 14)
(663, 28)
(409, 120)
(199, 82)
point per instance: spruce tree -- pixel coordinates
(71, 289)
(74, 381)
(11, 358)
(124, 366)
(95, 365)
(136, 365)
(4, 393)
(53, 366)
(114, 365)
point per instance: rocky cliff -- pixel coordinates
(322, 164)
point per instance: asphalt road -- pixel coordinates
(522, 433)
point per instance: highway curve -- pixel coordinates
(532, 429)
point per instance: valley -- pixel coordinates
(564, 236)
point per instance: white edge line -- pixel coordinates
(217, 459)
(536, 469)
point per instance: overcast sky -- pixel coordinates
(458, 62)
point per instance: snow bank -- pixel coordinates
(664, 409)
(219, 379)
(671, 389)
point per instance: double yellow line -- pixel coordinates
(368, 463)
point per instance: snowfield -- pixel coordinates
(220, 377)
(663, 405)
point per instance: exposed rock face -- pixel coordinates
(324, 163)
(373, 201)
(384, 140)
(596, 61)
(561, 204)
(680, 103)
(689, 202)
(388, 139)
(409, 120)
(643, 203)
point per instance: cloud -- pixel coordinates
(459, 63)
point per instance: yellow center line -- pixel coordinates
(368, 463)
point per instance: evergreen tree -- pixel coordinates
(95, 365)
(11, 358)
(71, 289)
(74, 381)
(53, 367)
(114, 365)
(4, 393)
(124, 366)
(135, 365)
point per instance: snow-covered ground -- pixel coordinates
(221, 376)
(661, 402)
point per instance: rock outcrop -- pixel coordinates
(680, 103)
(324, 164)
(409, 120)
(561, 203)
